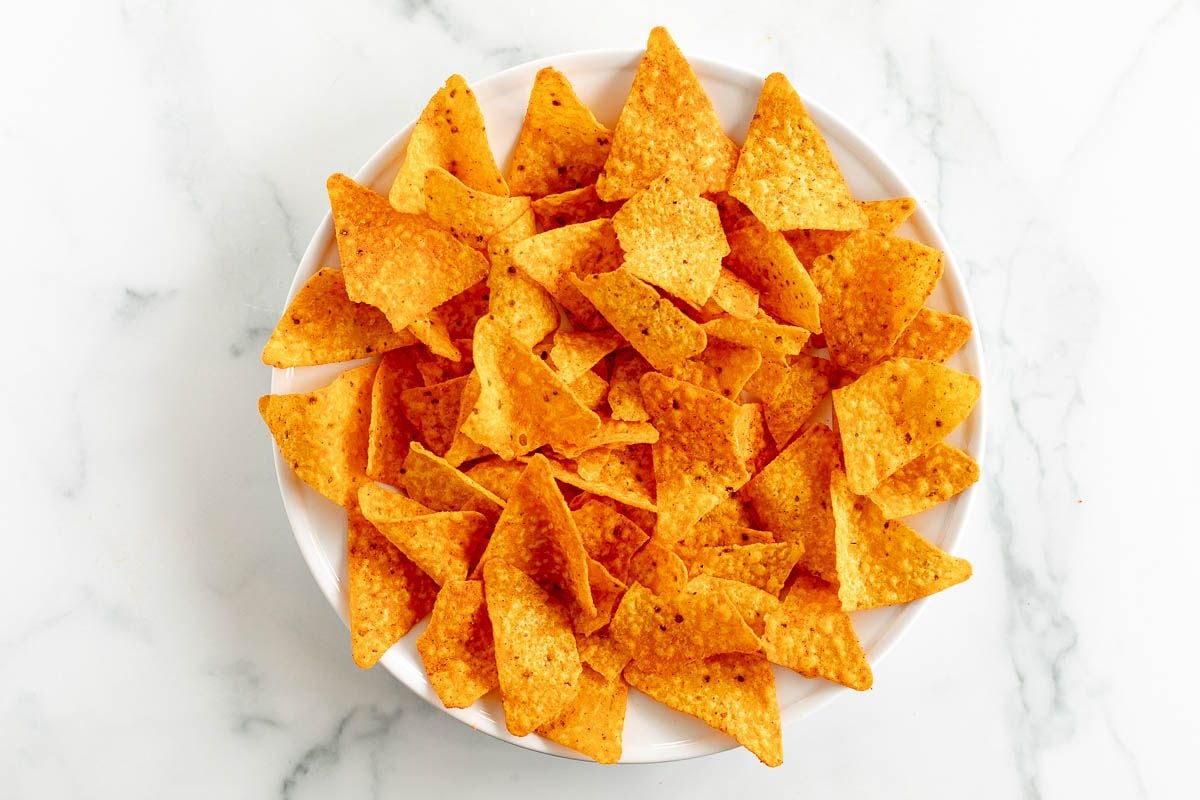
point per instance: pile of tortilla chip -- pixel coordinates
(586, 431)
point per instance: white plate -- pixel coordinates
(653, 732)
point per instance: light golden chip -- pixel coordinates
(667, 125)
(933, 336)
(518, 302)
(593, 724)
(733, 296)
(732, 364)
(751, 602)
(473, 217)
(456, 648)
(933, 477)
(449, 134)
(665, 632)
(576, 352)
(811, 634)
(658, 568)
(390, 431)
(601, 653)
(895, 412)
(431, 481)
(785, 173)
(762, 334)
(432, 331)
(433, 411)
(322, 435)
(569, 208)
(764, 259)
(609, 536)
(550, 258)
(805, 385)
(766, 566)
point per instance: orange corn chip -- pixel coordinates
(461, 313)
(462, 447)
(895, 412)
(561, 145)
(322, 325)
(768, 380)
(733, 693)
(806, 384)
(785, 173)
(733, 212)
(933, 477)
(323, 435)
(732, 364)
(388, 594)
(497, 475)
(449, 134)
(625, 388)
(536, 657)
(433, 332)
(437, 369)
(613, 433)
(397, 262)
(790, 497)
(752, 603)
(639, 516)
(733, 296)
(750, 437)
(714, 531)
(594, 722)
(606, 594)
(764, 259)
(520, 304)
(550, 259)
(872, 287)
(658, 568)
(390, 431)
(933, 336)
(762, 334)
(884, 562)
(456, 648)
(766, 566)
(884, 216)
(576, 352)
(568, 208)
(663, 633)
(433, 411)
(473, 217)
(811, 634)
(590, 390)
(601, 653)
(609, 536)
(667, 125)
(695, 373)
(625, 479)
(672, 239)
(430, 480)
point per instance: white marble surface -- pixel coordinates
(163, 168)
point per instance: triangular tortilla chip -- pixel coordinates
(933, 336)
(658, 568)
(872, 286)
(473, 217)
(444, 544)
(883, 562)
(601, 653)
(933, 477)
(762, 334)
(732, 364)
(790, 497)
(606, 594)
(390, 431)
(785, 173)
(609, 536)
(626, 479)
(536, 655)
(517, 301)
(712, 531)
(462, 447)
(613, 433)
(625, 388)
(456, 648)
(399, 263)
(897, 411)
(550, 259)
(323, 434)
(433, 332)
(766, 566)
(590, 390)
(811, 634)
(561, 145)
(733, 693)
(568, 208)
(884, 216)
(765, 259)
(667, 125)
(497, 475)
(322, 325)
(430, 480)
(576, 352)
(750, 437)
(460, 313)
(433, 411)
(665, 632)
(696, 459)
(806, 384)
(731, 295)
(751, 602)
(672, 239)
(387, 593)
(449, 134)
(594, 722)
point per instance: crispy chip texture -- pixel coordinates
(399, 263)
(550, 259)
(672, 239)
(933, 477)
(576, 352)
(433, 411)
(625, 388)
(733, 296)
(614, 433)
(388, 594)
(463, 448)
(606, 594)
(390, 431)
(933, 336)
(626, 480)
(872, 286)
(734, 693)
(895, 412)
(536, 657)
(518, 302)
(886, 216)
(663, 633)
(433, 332)
(658, 568)
(430, 480)
(449, 134)
(785, 173)
(473, 217)
(751, 602)
(594, 722)
(667, 125)
(522, 403)
(601, 653)
(497, 475)
(765, 566)
(715, 531)
(561, 145)
(883, 562)
(322, 435)
(805, 385)
(732, 364)
(609, 536)
(456, 648)
(811, 634)
(762, 334)
(322, 325)
(568, 208)
(764, 259)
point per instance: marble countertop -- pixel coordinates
(164, 168)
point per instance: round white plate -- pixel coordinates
(602, 79)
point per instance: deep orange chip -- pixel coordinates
(884, 216)
(473, 217)
(664, 633)
(550, 259)
(761, 333)
(594, 723)
(432, 481)
(933, 336)
(609, 536)
(658, 568)
(807, 382)
(606, 594)
(765, 566)
(626, 478)
(433, 411)
(433, 332)
(601, 653)
(497, 475)
(731, 295)
(811, 634)
(517, 301)
(456, 648)
(752, 603)
(732, 364)
(765, 259)
(576, 352)
(933, 477)
(390, 431)
(462, 447)
(625, 388)
(568, 208)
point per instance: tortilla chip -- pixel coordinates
(473, 217)
(667, 125)
(456, 648)
(388, 594)
(732, 364)
(886, 216)
(625, 388)
(626, 479)
(433, 412)
(390, 431)
(672, 239)
(933, 336)
(697, 374)
(790, 497)
(733, 296)
(639, 516)
(550, 258)
(665, 632)
(497, 475)
(872, 287)
(460, 313)
(734, 213)
(522, 403)
(654, 326)
(462, 447)
(569, 208)
(433, 332)
(444, 545)
(594, 722)
(895, 412)
(785, 173)
(601, 653)
(609, 536)
(733, 693)
(697, 463)
(805, 385)
(767, 381)
(931, 478)
(431, 481)
(590, 390)
(576, 352)
(449, 134)
(399, 263)
(561, 145)
(751, 602)
(536, 656)
(762, 334)
(606, 594)
(322, 325)
(714, 531)
(750, 437)
(658, 568)
(613, 433)
(323, 434)
(811, 634)
(883, 562)
(525, 308)
(764, 259)
(766, 566)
